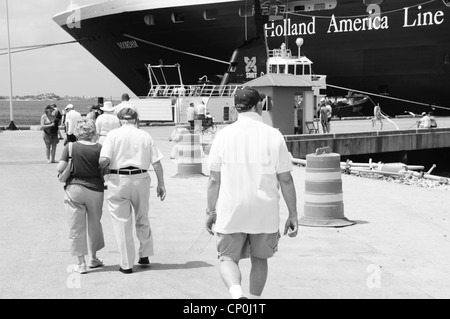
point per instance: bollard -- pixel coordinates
(190, 154)
(324, 200)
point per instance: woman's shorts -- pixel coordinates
(234, 247)
(51, 139)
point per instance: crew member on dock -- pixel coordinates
(377, 116)
(190, 112)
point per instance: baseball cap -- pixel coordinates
(70, 106)
(127, 114)
(247, 98)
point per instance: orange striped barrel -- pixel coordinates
(324, 197)
(189, 154)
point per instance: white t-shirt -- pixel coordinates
(129, 146)
(125, 104)
(190, 112)
(200, 109)
(106, 123)
(249, 155)
(72, 119)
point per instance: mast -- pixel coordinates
(12, 126)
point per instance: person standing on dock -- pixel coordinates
(433, 122)
(377, 116)
(329, 112)
(190, 112)
(323, 116)
(128, 153)
(106, 122)
(200, 111)
(249, 162)
(126, 104)
(72, 118)
(425, 121)
(49, 124)
(59, 116)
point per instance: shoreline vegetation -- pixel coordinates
(46, 97)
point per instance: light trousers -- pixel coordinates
(128, 193)
(84, 211)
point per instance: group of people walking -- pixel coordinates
(249, 162)
(110, 153)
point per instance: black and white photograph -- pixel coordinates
(219, 156)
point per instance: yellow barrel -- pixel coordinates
(189, 155)
(324, 198)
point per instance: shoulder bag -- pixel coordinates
(64, 176)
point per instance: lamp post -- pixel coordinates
(12, 126)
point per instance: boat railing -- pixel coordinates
(280, 53)
(203, 90)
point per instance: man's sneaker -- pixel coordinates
(126, 271)
(96, 263)
(144, 261)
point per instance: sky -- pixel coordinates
(64, 70)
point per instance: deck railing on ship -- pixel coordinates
(203, 90)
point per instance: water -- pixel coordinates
(29, 112)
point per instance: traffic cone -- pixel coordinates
(324, 205)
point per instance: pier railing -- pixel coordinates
(203, 90)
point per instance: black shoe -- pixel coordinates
(144, 261)
(126, 271)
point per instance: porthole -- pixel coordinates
(149, 20)
(177, 18)
(211, 14)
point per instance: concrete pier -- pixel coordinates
(361, 143)
(398, 248)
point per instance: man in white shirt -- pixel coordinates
(425, 121)
(190, 112)
(126, 104)
(329, 110)
(200, 111)
(106, 122)
(72, 118)
(128, 153)
(249, 162)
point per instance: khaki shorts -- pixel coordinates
(234, 247)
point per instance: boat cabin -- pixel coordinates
(281, 61)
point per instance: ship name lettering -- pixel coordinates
(375, 22)
(422, 18)
(128, 45)
(290, 29)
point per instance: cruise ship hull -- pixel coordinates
(397, 51)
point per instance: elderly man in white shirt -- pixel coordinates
(128, 153)
(72, 118)
(106, 122)
(249, 162)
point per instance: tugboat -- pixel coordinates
(282, 61)
(219, 98)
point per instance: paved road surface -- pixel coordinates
(398, 248)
